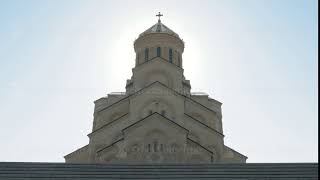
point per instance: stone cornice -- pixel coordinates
(235, 151)
(153, 114)
(200, 145)
(205, 125)
(157, 82)
(162, 59)
(107, 124)
(98, 151)
(77, 151)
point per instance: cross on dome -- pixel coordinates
(159, 28)
(159, 15)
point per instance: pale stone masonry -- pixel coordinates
(158, 119)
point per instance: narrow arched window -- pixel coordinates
(179, 60)
(158, 51)
(146, 54)
(161, 147)
(173, 149)
(170, 55)
(149, 147)
(155, 146)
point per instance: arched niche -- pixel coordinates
(158, 105)
(155, 141)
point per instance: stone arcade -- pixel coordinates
(158, 119)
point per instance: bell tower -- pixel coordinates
(158, 58)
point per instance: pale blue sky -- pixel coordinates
(258, 57)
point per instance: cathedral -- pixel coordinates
(157, 119)
(157, 129)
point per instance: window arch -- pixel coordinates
(158, 51)
(146, 54)
(170, 55)
(155, 146)
(161, 148)
(149, 147)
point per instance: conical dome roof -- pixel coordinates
(159, 28)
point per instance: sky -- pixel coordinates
(257, 57)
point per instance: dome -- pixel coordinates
(159, 28)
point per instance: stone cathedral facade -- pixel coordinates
(158, 119)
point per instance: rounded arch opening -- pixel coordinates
(158, 105)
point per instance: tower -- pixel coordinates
(158, 119)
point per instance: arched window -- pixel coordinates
(158, 51)
(155, 146)
(161, 148)
(170, 55)
(173, 149)
(146, 54)
(149, 147)
(179, 60)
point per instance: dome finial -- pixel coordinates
(159, 15)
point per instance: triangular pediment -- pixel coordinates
(157, 61)
(156, 121)
(149, 86)
(157, 89)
